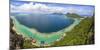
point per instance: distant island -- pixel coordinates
(73, 15)
(58, 13)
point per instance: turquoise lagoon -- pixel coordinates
(43, 27)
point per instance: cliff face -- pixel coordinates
(16, 41)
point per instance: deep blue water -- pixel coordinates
(45, 23)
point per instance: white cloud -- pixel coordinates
(71, 10)
(37, 8)
(43, 8)
(80, 11)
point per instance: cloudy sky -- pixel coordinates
(47, 8)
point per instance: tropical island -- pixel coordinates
(77, 36)
(73, 15)
(36, 25)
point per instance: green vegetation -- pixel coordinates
(73, 15)
(28, 44)
(80, 35)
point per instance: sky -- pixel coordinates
(48, 8)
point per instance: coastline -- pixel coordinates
(33, 33)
